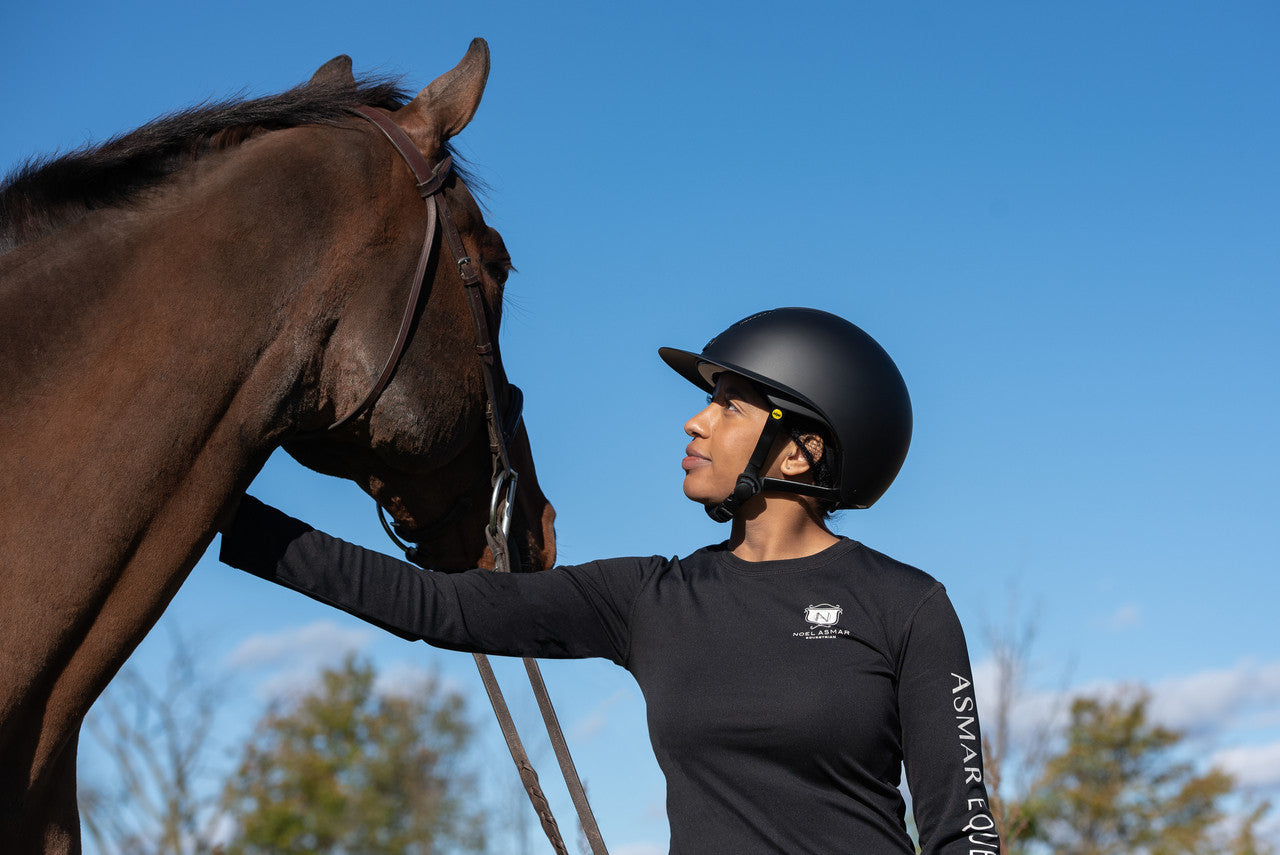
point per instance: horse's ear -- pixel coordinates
(336, 71)
(445, 107)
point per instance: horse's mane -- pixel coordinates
(47, 193)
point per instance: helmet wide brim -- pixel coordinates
(702, 372)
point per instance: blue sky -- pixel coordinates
(1060, 219)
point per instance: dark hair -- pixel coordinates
(824, 468)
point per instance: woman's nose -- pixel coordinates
(697, 426)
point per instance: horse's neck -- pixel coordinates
(146, 338)
(128, 360)
(152, 364)
(150, 361)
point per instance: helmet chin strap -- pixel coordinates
(749, 482)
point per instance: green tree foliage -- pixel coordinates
(1121, 785)
(345, 769)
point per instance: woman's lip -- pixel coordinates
(692, 460)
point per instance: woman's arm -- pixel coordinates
(568, 612)
(941, 741)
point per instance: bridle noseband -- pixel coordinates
(502, 430)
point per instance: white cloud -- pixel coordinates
(1032, 714)
(291, 658)
(1251, 765)
(595, 721)
(1200, 703)
(1125, 617)
(323, 640)
(409, 679)
(1205, 701)
(1218, 705)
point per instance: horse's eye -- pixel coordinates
(499, 272)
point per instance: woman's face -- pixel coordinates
(724, 435)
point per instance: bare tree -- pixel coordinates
(1014, 751)
(155, 739)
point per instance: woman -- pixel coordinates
(788, 673)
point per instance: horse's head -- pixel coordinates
(422, 446)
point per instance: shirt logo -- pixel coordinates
(822, 620)
(823, 615)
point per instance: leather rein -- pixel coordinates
(430, 183)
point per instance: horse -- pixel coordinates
(178, 302)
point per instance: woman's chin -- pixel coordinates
(699, 492)
(696, 497)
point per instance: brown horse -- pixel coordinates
(174, 305)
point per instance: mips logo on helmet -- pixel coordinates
(822, 620)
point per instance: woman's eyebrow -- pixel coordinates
(739, 389)
(727, 386)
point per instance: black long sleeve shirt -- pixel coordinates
(783, 697)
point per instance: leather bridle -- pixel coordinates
(430, 183)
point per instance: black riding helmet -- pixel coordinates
(815, 365)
